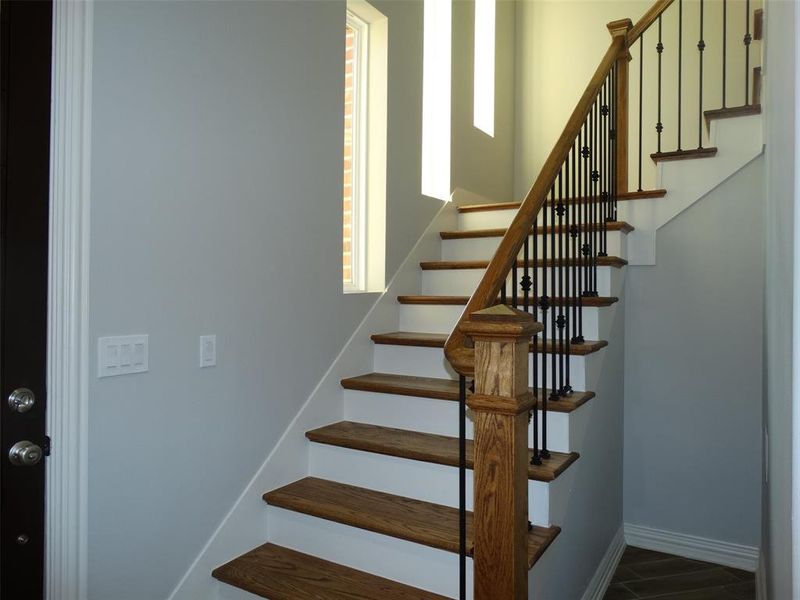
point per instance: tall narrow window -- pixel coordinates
(436, 91)
(355, 189)
(484, 66)
(366, 37)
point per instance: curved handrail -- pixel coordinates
(457, 352)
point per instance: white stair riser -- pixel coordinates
(429, 415)
(430, 362)
(484, 248)
(491, 219)
(434, 318)
(485, 219)
(389, 557)
(410, 478)
(463, 282)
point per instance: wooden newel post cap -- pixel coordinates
(620, 27)
(500, 322)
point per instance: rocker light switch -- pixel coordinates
(208, 350)
(122, 355)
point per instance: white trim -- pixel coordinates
(761, 580)
(359, 155)
(691, 546)
(369, 148)
(605, 570)
(68, 348)
(795, 475)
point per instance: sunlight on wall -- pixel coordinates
(436, 63)
(483, 103)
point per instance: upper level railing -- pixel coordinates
(545, 269)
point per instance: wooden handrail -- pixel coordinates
(460, 356)
(647, 19)
(457, 351)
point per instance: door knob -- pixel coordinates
(25, 454)
(21, 400)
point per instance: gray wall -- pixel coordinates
(781, 170)
(216, 208)
(693, 368)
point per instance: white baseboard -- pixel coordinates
(605, 571)
(691, 546)
(245, 526)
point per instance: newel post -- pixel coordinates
(501, 405)
(620, 29)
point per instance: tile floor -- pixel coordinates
(647, 574)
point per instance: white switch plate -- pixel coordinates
(122, 355)
(208, 351)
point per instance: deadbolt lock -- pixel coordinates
(21, 400)
(25, 454)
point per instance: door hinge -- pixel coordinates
(46, 445)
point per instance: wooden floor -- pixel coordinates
(648, 574)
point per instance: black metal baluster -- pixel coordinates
(660, 50)
(574, 231)
(515, 284)
(462, 487)
(595, 186)
(724, 50)
(605, 112)
(641, 89)
(526, 278)
(554, 259)
(747, 39)
(680, 70)
(585, 208)
(503, 295)
(536, 459)
(558, 288)
(561, 321)
(614, 142)
(546, 339)
(701, 47)
(569, 193)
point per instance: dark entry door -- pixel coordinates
(25, 63)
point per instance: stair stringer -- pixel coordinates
(739, 141)
(245, 526)
(589, 503)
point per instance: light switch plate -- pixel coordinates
(208, 351)
(122, 355)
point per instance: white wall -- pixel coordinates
(781, 169)
(216, 208)
(693, 370)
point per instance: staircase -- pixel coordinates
(377, 516)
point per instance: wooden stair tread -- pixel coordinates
(278, 573)
(622, 226)
(514, 205)
(441, 389)
(437, 340)
(446, 265)
(425, 447)
(684, 154)
(594, 301)
(733, 111)
(408, 519)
